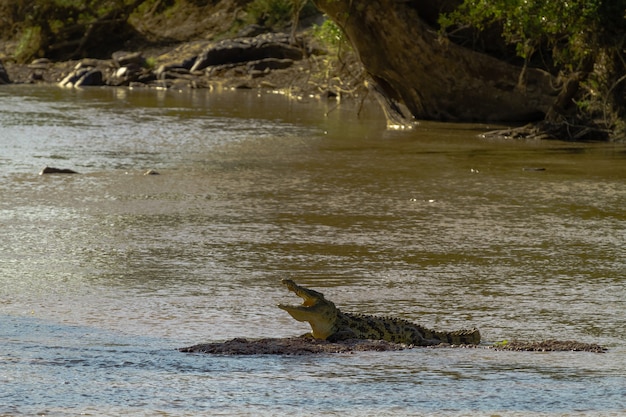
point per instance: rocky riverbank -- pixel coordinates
(298, 65)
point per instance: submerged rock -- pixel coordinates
(550, 346)
(53, 170)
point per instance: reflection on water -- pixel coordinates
(105, 273)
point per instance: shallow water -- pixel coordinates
(104, 274)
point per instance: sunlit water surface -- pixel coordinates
(103, 275)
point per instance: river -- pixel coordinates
(104, 274)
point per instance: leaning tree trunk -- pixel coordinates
(410, 64)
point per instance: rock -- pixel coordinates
(36, 76)
(40, 64)
(135, 84)
(308, 346)
(130, 69)
(39, 67)
(267, 60)
(291, 346)
(251, 31)
(183, 84)
(4, 76)
(52, 170)
(176, 77)
(72, 77)
(269, 64)
(243, 50)
(184, 55)
(84, 74)
(550, 346)
(121, 72)
(163, 73)
(124, 59)
(130, 74)
(90, 78)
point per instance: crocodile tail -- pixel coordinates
(460, 337)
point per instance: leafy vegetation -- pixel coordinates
(329, 34)
(575, 39)
(570, 30)
(30, 44)
(339, 71)
(65, 28)
(278, 14)
(270, 13)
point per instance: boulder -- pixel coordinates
(125, 59)
(268, 64)
(251, 31)
(72, 77)
(40, 64)
(91, 77)
(53, 170)
(242, 50)
(84, 74)
(130, 74)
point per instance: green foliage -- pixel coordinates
(277, 13)
(167, 8)
(270, 13)
(572, 29)
(50, 25)
(329, 34)
(581, 39)
(29, 44)
(150, 63)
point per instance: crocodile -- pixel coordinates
(329, 323)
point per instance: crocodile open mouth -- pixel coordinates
(320, 313)
(309, 297)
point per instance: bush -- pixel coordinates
(568, 28)
(581, 39)
(329, 34)
(277, 14)
(270, 13)
(66, 28)
(29, 45)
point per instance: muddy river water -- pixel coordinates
(104, 274)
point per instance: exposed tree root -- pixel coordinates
(552, 130)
